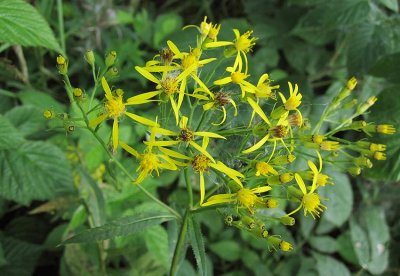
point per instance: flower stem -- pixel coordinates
(180, 244)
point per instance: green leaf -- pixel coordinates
(345, 247)
(41, 100)
(387, 111)
(368, 43)
(93, 197)
(388, 67)
(28, 119)
(378, 235)
(20, 23)
(121, 227)
(390, 4)
(166, 24)
(197, 243)
(360, 243)
(34, 171)
(21, 257)
(227, 250)
(328, 266)
(156, 239)
(10, 137)
(323, 244)
(340, 197)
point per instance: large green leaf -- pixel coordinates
(10, 137)
(21, 24)
(388, 67)
(368, 43)
(360, 243)
(121, 227)
(34, 171)
(340, 197)
(197, 243)
(28, 119)
(156, 239)
(387, 111)
(227, 250)
(329, 266)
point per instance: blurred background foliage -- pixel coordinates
(54, 183)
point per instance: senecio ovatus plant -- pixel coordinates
(235, 141)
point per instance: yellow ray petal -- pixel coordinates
(163, 131)
(115, 134)
(300, 182)
(141, 119)
(173, 153)
(209, 105)
(181, 93)
(258, 110)
(173, 47)
(223, 81)
(312, 167)
(262, 79)
(282, 97)
(234, 106)
(183, 122)
(93, 123)
(208, 134)
(204, 144)
(206, 61)
(237, 33)
(218, 44)
(202, 188)
(201, 150)
(226, 170)
(161, 143)
(129, 149)
(147, 74)
(223, 118)
(174, 108)
(257, 145)
(262, 189)
(217, 199)
(106, 88)
(142, 97)
(201, 84)
(160, 68)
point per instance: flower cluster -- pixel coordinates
(249, 158)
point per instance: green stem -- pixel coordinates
(188, 187)
(180, 244)
(8, 93)
(96, 83)
(61, 24)
(124, 170)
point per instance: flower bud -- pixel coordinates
(383, 129)
(354, 171)
(286, 220)
(379, 155)
(365, 106)
(78, 93)
(110, 58)
(277, 242)
(112, 72)
(271, 203)
(62, 65)
(350, 104)
(89, 57)
(362, 161)
(284, 159)
(329, 145)
(248, 222)
(49, 114)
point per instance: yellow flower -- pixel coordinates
(247, 198)
(264, 169)
(219, 100)
(310, 201)
(281, 244)
(242, 45)
(265, 89)
(208, 31)
(318, 177)
(385, 129)
(202, 163)
(185, 135)
(149, 162)
(115, 108)
(329, 145)
(239, 78)
(379, 155)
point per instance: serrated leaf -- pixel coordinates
(387, 111)
(345, 247)
(166, 24)
(20, 23)
(10, 137)
(156, 239)
(329, 266)
(197, 243)
(368, 43)
(21, 257)
(226, 250)
(34, 171)
(340, 197)
(390, 4)
(360, 243)
(41, 100)
(121, 227)
(28, 119)
(387, 67)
